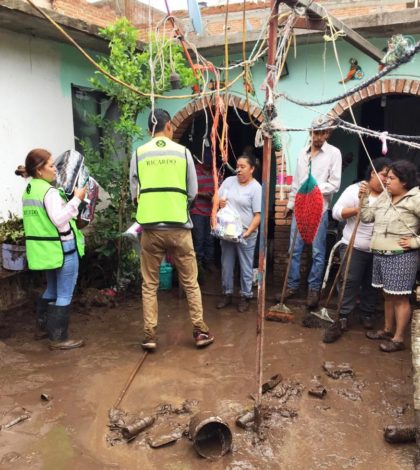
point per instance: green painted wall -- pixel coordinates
(313, 75)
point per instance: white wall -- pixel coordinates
(33, 109)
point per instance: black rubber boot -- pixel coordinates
(58, 318)
(41, 318)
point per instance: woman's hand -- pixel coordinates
(222, 202)
(246, 234)
(405, 242)
(364, 189)
(80, 192)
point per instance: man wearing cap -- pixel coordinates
(166, 186)
(326, 169)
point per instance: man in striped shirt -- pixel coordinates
(201, 212)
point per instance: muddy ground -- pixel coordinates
(342, 431)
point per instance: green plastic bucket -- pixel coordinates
(165, 276)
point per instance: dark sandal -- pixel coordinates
(378, 334)
(392, 346)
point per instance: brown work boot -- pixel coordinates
(225, 301)
(243, 305)
(313, 298)
(335, 331)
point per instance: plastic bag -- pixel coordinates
(229, 225)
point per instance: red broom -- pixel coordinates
(308, 208)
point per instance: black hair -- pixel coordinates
(250, 159)
(161, 117)
(378, 165)
(406, 172)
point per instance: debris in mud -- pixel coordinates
(46, 397)
(10, 457)
(15, 421)
(186, 407)
(338, 371)
(272, 383)
(124, 427)
(160, 440)
(93, 297)
(317, 389)
(288, 390)
(130, 431)
(246, 420)
(401, 410)
(354, 393)
(400, 433)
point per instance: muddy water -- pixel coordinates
(337, 432)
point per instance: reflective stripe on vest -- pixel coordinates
(43, 244)
(162, 173)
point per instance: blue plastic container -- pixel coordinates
(165, 276)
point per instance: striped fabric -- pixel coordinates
(202, 206)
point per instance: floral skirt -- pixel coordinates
(395, 274)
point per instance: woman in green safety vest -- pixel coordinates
(53, 244)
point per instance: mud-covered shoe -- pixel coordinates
(149, 343)
(367, 322)
(66, 344)
(243, 305)
(313, 298)
(202, 338)
(334, 332)
(225, 301)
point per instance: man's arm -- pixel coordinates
(347, 205)
(192, 183)
(332, 185)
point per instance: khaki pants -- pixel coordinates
(155, 244)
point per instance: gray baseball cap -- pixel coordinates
(321, 123)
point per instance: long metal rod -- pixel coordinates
(262, 257)
(130, 379)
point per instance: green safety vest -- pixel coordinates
(43, 244)
(162, 174)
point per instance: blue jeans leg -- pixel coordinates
(293, 280)
(246, 262)
(318, 254)
(201, 236)
(228, 265)
(64, 279)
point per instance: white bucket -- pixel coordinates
(14, 257)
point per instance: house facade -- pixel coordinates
(44, 81)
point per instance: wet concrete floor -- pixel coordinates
(342, 431)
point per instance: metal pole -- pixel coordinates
(262, 257)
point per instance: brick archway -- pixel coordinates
(395, 86)
(183, 118)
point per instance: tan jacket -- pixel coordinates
(390, 225)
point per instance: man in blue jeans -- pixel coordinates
(326, 169)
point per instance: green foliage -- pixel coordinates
(11, 231)
(110, 163)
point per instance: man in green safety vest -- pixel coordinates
(163, 183)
